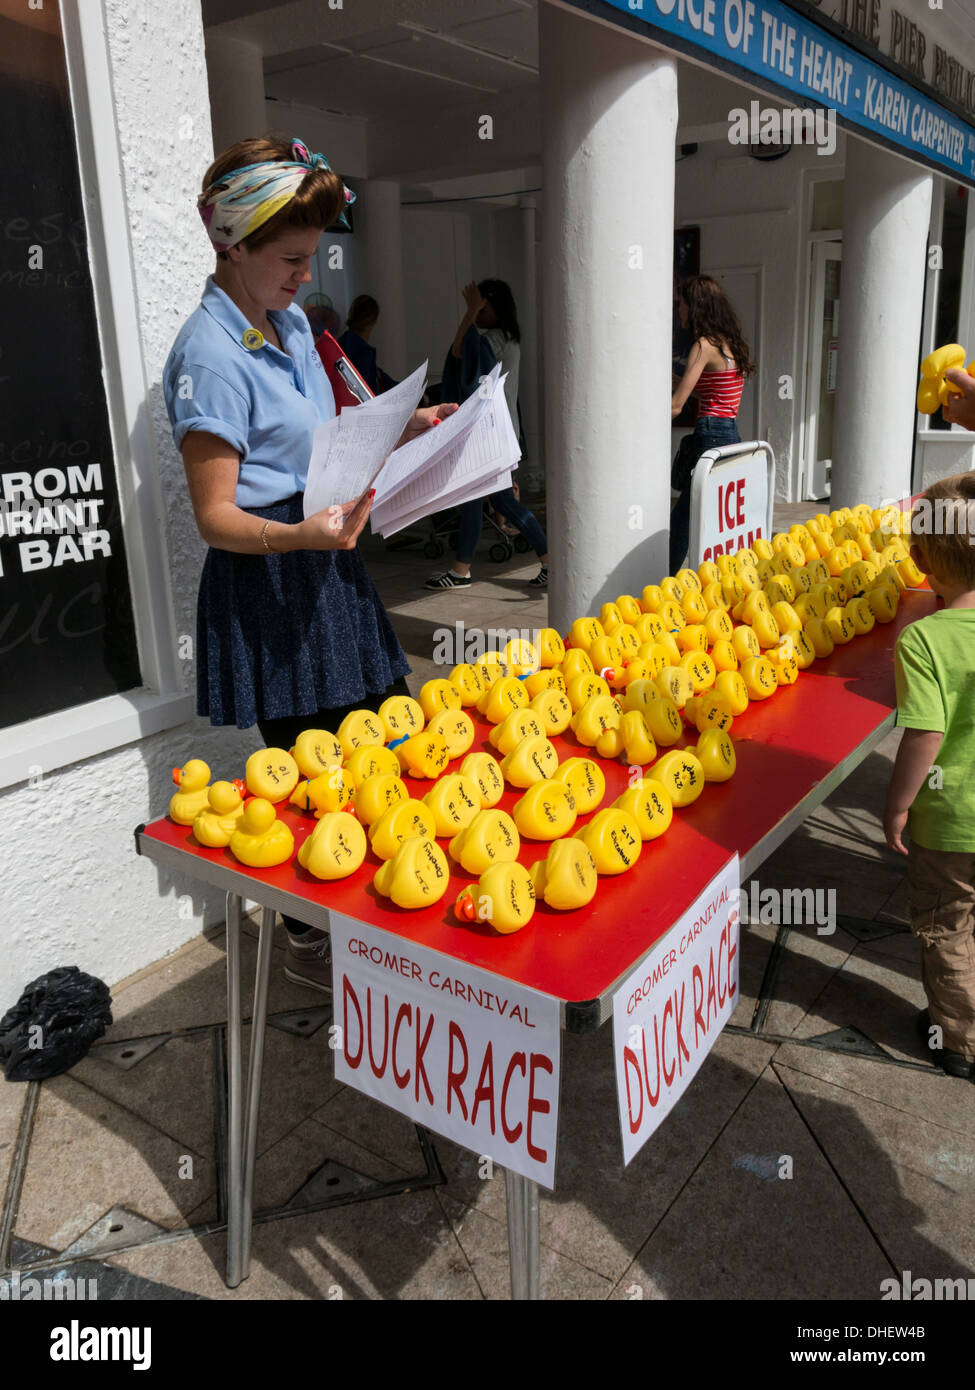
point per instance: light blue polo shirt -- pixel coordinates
(265, 403)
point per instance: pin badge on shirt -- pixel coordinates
(252, 338)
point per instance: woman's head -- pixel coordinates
(270, 262)
(499, 308)
(363, 314)
(709, 315)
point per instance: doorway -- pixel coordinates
(821, 360)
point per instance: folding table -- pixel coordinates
(792, 751)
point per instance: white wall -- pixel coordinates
(75, 892)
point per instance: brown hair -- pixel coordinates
(943, 529)
(317, 203)
(710, 316)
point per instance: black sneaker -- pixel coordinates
(448, 580)
(541, 579)
(951, 1062)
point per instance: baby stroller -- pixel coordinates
(443, 533)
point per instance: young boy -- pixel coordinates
(932, 789)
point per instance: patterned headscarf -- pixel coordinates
(246, 198)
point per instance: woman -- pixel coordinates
(291, 633)
(717, 366)
(363, 317)
(488, 333)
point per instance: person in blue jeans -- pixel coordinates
(717, 367)
(488, 333)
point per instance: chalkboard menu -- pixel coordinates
(67, 633)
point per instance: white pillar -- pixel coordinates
(235, 74)
(379, 260)
(609, 123)
(886, 210)
(528, 321)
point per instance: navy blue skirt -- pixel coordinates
(281, 635)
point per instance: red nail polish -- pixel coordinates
(372, 492)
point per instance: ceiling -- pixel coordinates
(381, 58)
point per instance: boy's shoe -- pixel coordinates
(448, 580)
(308, 960)
(541, 579)
(953, 1063)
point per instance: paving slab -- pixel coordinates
(88, 1154)
(912, 1179)
(485, 1244)
(12, 1097)
(876, 992)
(298, 1079)
(189, 989)
(737, 1230)
(392, 1248)
(373, 1126)
(171, 1089)
(808, 963)
(927, 1095)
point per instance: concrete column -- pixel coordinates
(235, 75)
(379, 258)
(609, 103)
(533, 468)
(886, 210)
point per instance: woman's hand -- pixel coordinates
(335, 528)
(474, 299)
(422, 420)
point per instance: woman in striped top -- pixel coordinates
(717, 367)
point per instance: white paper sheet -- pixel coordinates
(475, 464)
(349, 451)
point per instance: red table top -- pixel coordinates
(785, 747)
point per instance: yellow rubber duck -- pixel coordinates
(566, 878)
(271, 773)
(681, 774)
(485, 772)
(649, 803)
(401, 716)
(545, 812)
(315, 751)
(518, 725)
(532, 760)
(218, 820)
(194, 793)
(456, 727)
(335, 848)
(584, 782)
(416, 876)
(377, 794)
(361, 726)
(491, 838)
(370, 761)
(612, 837)
(504, 896)
(454, 802)
(437, 695)
(401, 822)
(261, 840)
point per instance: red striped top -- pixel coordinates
(719, 393)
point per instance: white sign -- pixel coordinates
(667, 1015)
(460, 1051)
(731, 500)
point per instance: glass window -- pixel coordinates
(67, 632)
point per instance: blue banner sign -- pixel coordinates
(783, 50)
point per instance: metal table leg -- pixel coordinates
(235, 1090)
(522, 1201)
(254, 1071)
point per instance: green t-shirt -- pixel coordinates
(934, 666)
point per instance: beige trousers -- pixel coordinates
(941, 901)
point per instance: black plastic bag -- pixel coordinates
(53, 1024)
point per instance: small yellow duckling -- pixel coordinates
(193, 795)
(261, 840)
(218, 820)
